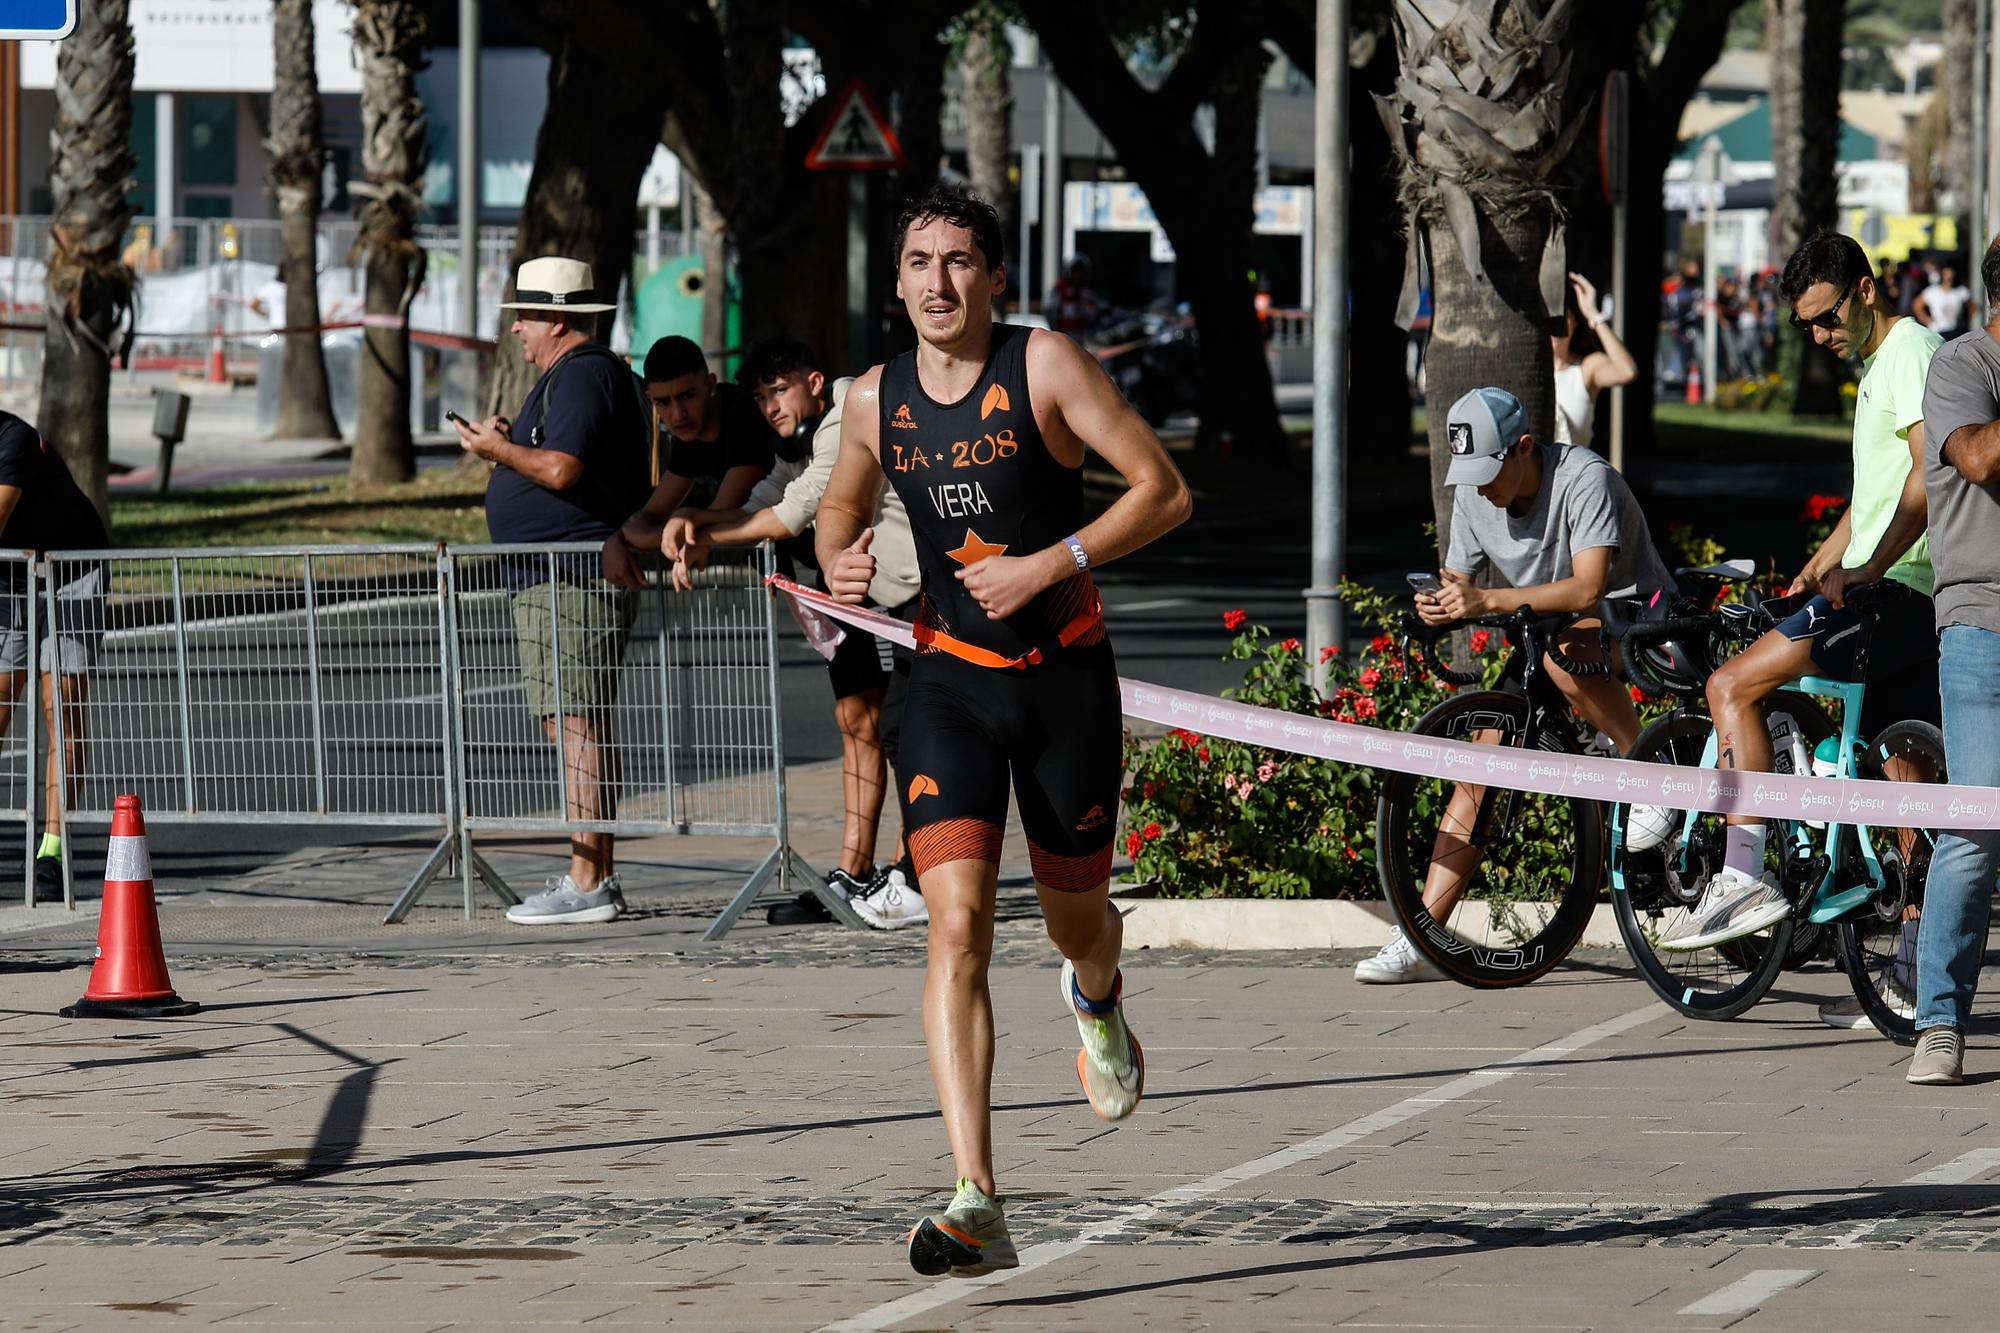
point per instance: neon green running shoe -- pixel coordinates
(1110, 1066)
(965, 1240)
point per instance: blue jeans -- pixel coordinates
(1951, 940)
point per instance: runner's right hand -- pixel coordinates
(853, 570)
(676, 537)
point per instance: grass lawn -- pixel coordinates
(440, 505)
(1699, 424)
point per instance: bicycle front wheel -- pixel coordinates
(1654, 889)
(1878, 940)
(1494, 886)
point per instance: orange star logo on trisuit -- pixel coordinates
(974, 549)
(995, 401)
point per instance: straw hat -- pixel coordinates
(554, 283)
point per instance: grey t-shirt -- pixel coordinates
(1963, 390)
(1581, 504)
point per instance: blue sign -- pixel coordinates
(37, 20)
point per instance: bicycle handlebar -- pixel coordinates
(1521, 622)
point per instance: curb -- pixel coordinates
(1255, 923)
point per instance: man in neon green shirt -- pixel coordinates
(1879, 540)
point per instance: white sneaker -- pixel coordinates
(1397, 962)
(1647, 826)
(890, 902)
(1846, 1013)
(1730, 908)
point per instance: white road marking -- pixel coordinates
(1750, 1291)
(1960, 1169)
(1160, 604)
(949, 1291)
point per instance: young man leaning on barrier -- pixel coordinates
(869, 685)
(565, 470)
(1561, 531)
(1961, 472)
(717, 446)
(983, 430)
(42, 510)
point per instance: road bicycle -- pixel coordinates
(1540, 859)
(1864, 880)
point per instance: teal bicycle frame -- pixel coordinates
(1825, 904)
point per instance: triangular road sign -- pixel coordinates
(857, 136)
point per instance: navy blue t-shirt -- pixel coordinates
(593, 413)
(53, 513)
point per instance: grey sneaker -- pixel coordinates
(1846, 1012)
(1730, 908)
(564, 904)
(1940, 1057)
(1397, 961)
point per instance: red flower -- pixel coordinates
(1480, 638)
(1326, 707)
(1203, 752)
(1381, 643)
(1639, 696)
(1289, 646)
(1364, 708)
(1151, 831)
(1133, 842)
(1352, 855)
(1148, 791)
(1370, 678)
(1819, 506)
(1328, 653)
(1233, 620)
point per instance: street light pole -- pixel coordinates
(1325, 616)
(468, 166)
(1052, 177)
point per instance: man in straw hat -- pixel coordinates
(567, 473)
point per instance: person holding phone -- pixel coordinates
(566, 471)
(1560, 530)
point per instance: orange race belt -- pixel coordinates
(943, 641)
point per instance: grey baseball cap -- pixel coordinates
(1479, 430)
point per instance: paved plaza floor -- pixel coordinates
(461, 1124)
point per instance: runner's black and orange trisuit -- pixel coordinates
(1034, 695)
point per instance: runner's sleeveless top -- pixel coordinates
(978, 481)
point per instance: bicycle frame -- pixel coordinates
(1824, 904)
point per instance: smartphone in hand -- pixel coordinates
(457, 419)
(1425, 585)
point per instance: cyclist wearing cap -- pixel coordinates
(1880, 539)
(1560, 528)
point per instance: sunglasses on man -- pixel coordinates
(1829, 318)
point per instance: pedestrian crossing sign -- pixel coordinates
(36, 20)
(857, 136)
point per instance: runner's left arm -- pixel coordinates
(1093, 414)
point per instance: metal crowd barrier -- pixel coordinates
(20, 616)
(385, 686)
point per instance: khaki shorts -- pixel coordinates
(587, 640)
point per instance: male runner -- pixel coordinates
(982, 431)
(1880, 539)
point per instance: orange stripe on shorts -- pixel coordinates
(955, 840)
(1070, 874)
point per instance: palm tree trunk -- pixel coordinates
(1486, 332)
(395, 149)
(297, 155)
(985, 60)
(1805, 143)
(1961, 32)
(90, 289)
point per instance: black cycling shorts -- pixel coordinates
(1902, 653)
(856, 665)
(1054, 728)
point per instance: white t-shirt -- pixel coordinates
(1947, 305)
(272, 297)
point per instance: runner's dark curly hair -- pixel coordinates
(960, 207)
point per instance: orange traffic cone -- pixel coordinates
(130, 978)
(1694, 385)
(218, 369)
